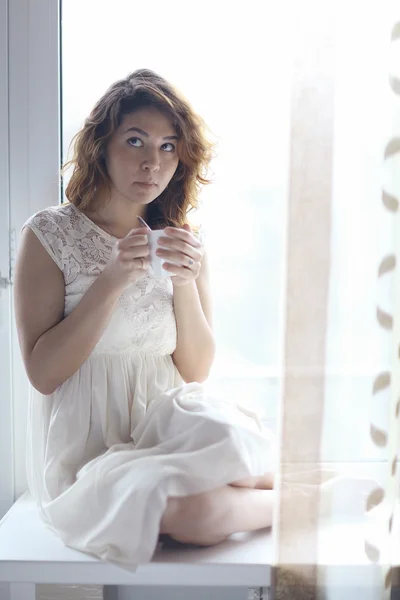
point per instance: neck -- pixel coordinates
(118, 215)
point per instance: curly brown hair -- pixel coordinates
(142, 88)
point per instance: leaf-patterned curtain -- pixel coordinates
(335, 526)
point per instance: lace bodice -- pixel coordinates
(143, 320)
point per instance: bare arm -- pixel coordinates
(195, 348)
(54, 348)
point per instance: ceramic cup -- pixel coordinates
(156, 262)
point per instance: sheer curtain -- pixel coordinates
(339, 404)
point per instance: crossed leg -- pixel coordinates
(209, 518)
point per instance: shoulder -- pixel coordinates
(51, 226)
(51, 219)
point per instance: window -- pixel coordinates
(248, 114)
(243, 91)
(251, 179)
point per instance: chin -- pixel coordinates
(141, 199)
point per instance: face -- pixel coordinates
(142, 156)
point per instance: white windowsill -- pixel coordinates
(29, 552)
(274, 372)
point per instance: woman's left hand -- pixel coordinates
(181, 247)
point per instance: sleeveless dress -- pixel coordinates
(108, 447)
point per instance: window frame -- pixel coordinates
(33, 153)
(6, 400)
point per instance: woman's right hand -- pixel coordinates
(129, 259)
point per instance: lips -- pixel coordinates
(144, 185)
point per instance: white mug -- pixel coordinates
(156, 262)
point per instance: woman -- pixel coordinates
(123, 443)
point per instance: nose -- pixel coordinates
(151, 160)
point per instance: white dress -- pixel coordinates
(121, 435)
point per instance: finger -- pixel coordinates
(133, 240)
(136, 252)
(142, 263)
(178, 257)
(183, 272)
(139, 263)
(136, 231)
(180, 246)
(186, 236)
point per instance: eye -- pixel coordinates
(172, 147)
(132, 141)
(137, 143)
